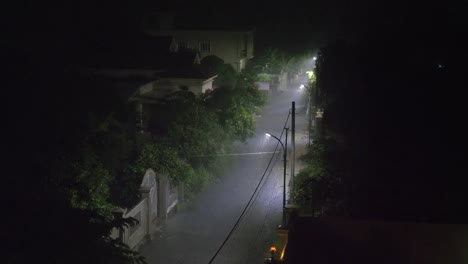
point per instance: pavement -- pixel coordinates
(196, 232)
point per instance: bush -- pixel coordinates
(198, 179)
(84, 181)
(318, 187)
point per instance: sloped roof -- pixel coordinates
(142, 52)
(182, 65)
(145, 53)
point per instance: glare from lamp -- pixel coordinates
(272, 249)
(267, 134)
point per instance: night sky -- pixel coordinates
(292, 25)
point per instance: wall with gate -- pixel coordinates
(159, 197)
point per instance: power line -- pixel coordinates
(238, 154)
(261, 188)
(251, 198)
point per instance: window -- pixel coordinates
(182, 44)
(205, 46)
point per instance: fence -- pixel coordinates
(159, 197)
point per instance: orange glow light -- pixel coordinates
(282, 251)
(272, 249)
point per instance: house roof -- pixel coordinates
(193, 71)
(147, 53)
(142, 52)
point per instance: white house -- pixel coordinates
(233, 46)
(164, 86)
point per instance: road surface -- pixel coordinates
(195, 233)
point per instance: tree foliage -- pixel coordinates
(59, 140)
(226, 74)
(86, 147)
(235, 106)
(275, 61)
(380, 111)
(57, 233)
(89, 185)
(195, 130)
(187, 140)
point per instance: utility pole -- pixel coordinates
(293, 141)
(313, 109)
(309, 110)
(284, 173)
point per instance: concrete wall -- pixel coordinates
(208, 85)
(231, 46)
(172, 197)
(159, 199)
(134, 235)
(283, 82)
(264, 87)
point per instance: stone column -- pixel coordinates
(162, 195)
(146, 194)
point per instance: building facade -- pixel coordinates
(233, 46)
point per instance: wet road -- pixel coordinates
(194, 234)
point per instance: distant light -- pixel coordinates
(282, 253)
(440, 66)
(315, 58)
(319, 113)
(272, 249)
(302, 86)
(267, 134)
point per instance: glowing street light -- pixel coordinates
(272, 252)
(284, 167)
(315, 58)
(301, 87)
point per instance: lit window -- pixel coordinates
(205, 46)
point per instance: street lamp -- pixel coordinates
(284, 172)
(272, 252)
